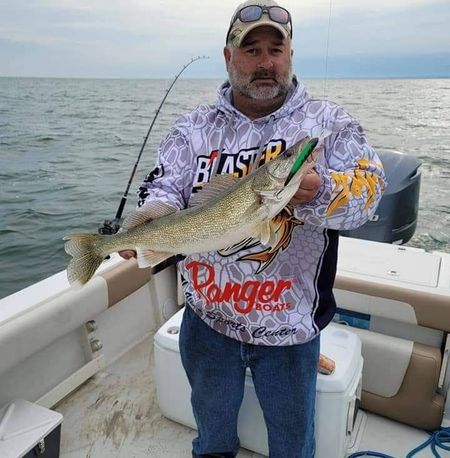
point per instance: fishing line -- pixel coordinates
(324, 132)
(327, 48)
(111, 227)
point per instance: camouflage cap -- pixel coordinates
(238, 29)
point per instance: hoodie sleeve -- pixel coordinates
(352, 178)
(171, 179)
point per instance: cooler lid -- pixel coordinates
(22, 425)
(388, 262)
(344, 347)
(167, 335)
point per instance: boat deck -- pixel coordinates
(116, 414)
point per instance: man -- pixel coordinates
(279, 298)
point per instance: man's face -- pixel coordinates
(261, 69)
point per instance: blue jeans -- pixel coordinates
(284, 379)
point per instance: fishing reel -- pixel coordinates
(109, 227)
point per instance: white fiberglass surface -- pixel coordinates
(116, 414)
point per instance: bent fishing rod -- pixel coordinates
(110, 227)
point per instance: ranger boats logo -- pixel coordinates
(245, 297)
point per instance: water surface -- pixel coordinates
(67, 148)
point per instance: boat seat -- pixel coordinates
(124, 279)
(400, 379)
(405, 284)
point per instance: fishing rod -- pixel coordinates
(111, 227)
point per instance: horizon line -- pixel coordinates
(309, 77)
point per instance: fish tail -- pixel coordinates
(86, 257)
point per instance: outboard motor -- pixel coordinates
(395, 219)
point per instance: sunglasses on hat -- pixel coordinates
(254, 13)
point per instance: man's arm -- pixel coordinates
(347, 185)
(171, 179)
(308, 188)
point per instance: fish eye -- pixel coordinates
(279, 170)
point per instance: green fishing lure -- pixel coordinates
(304, 154)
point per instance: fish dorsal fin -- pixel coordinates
(216, 187)
(149, 258)
(148, 212)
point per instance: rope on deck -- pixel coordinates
(437, 439)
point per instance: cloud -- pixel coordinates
(142, 38)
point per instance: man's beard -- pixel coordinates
(244, 86)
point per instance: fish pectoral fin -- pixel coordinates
(216, 187)
(264, 235)
(267, 233)
(274, 236)
(147, 212)
(150, 258)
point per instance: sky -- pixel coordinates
(154, 38)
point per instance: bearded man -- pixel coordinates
(279, 298)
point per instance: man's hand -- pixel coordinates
(308, 188)
(127, 254)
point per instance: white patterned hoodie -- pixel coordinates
(255, 294)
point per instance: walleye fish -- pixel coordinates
(226, 211)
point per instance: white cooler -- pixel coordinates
(337, 396)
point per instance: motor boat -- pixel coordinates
(95, 371)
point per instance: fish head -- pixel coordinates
(280, 178)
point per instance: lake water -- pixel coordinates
(67, 148)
